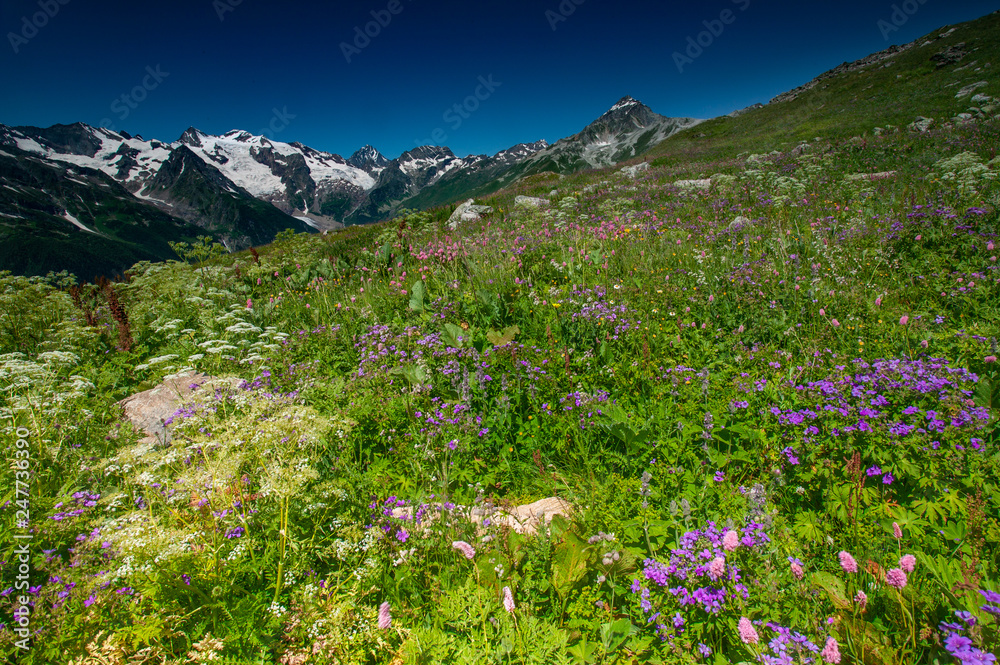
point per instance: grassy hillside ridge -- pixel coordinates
(893, 91)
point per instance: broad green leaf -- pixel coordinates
(417, 295)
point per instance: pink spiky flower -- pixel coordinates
(508, 600)
(731, 540)
(747, 632)
(897, 532)
(717, 567)
(861, 598)
(797, 570)
(848, 563)
(831, 652)
(895, 577)
(384, 616)
(908, 563)
(465, 548)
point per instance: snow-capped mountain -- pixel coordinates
(368, 159)
(169, 176)
(244, 188)
(293, 177)
(432, 175)
(627, 129)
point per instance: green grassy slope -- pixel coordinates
(894, 91)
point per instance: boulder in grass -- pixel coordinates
(921, 124)
(521, 519)
(969, 89)
(529, 202)
(468, 212)
(634, 170)
(701, 183)
(149, 410)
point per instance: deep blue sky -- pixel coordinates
(265, 55)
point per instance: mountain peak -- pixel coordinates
(192, 136)
(367, 157)
(624, 103)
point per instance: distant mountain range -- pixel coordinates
(93, 200)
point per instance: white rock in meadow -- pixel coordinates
(529, 202)
(701, 183)
(921, 124)
(468, 212)
(634, 170)
(969, 89)
(881, 175)
(521, 519)
(740, 221)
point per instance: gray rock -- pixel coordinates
(554, 192)
(456, 216)
(881, 175)
(529, 202)
(149, 409)
(740, 221)
(703, 183)
(969, 89)
(635, 169)
(468, 212)
(921, 124)
(801, 149)
(878, 131)
(521, 519)
(962, 117)
(980, 98)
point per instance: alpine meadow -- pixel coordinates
(667, 390)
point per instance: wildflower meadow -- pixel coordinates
(763, 388)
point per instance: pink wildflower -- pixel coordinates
(731, 540)
(747, 632)
(384, 617)
(465, 548)
(831, 652)
(895, 577)
(508, 600)
(861, 598)
(797, 571)
(896, 531)
(990, 359)
(989, 246)
(878, 301)
(908, 562)
(711, 298)
(903, 320)
(848, 563)
(822, 312)
(717, 567)
(835, 322)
